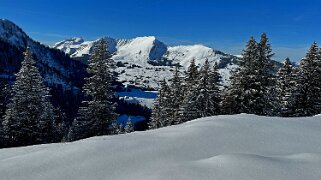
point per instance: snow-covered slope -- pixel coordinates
(12, 33)
(55, 67)
(141, 49)
(238, 147)
(184, 54)
(144, 61)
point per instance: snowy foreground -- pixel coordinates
(240, 147)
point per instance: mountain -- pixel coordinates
(144, 61)
(234, 147)
(62, 74)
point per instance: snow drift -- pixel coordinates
(239, 147)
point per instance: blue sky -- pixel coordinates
(291, 25)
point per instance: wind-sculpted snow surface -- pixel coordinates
(237, 147)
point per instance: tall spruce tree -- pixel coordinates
(215, 93)
(97, 115)
(188, 108)
(191, 75)
(265, 78)
(309, 83)
(207, 92)
(176, 95)
(241, 90)
(4, 99)
(285, 90)
(29, 118)
(160, 116)
(252, 83)
(203, 91)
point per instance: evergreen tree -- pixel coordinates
(160, 116)
(191, 75)
(4, 98)
(29, 118)
(240, 93)
(114, 127)
(265, 78)
(188, 108)
(202, 91)
(176, 95)
(129, 126)
(252, 83)
(214, 92)
(285, 89)
(155, 121)
(309, 83)
(97, 115)
(121, 129)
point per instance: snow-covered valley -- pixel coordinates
(236, 147)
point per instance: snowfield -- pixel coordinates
(237, 147)
(136, 56)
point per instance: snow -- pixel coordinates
(236, 147)
(138, 96)
(185, 54)
(138, 52)
(141, 49)
(12, 33)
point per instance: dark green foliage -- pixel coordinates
(285, 90)
(309, 83)
(252, 83)
(176, 96)
(97, 115)
(29, 118)
(214, 92)
(129, 126)
(160, 116)
(188, 107)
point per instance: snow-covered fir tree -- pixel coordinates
(207, 91)
(265, 78)
(97, 115)
(4, 98)
(252, 83)
(188, 108)
(129, 126)
(155, 121)
(285, 90)
(240, 91)
(191, 76)
(215, 94)
(160, 116)
(29, 118)
(309, 83)
(176, 95)
(114, 127)
(202, 91)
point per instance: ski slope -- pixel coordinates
(238, 147)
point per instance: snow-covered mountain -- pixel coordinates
(144, 61)
(56, 68)
(62, 74)
(235, 147)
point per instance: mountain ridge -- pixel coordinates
(62, 74)
(144, 61)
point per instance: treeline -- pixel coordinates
(254, 88)
(28, 116)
